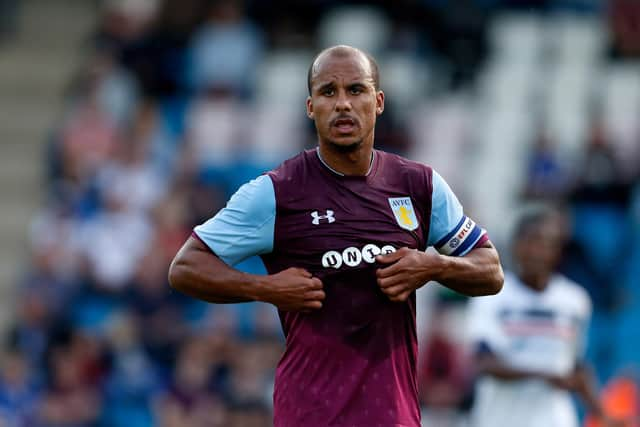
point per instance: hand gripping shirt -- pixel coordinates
(353, 362)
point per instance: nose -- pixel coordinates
(343, 103)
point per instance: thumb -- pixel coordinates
(389, 258)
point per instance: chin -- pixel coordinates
(345, 146)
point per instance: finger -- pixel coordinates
(392, 257)
(301, 272)
(394, 291)
(391, 281)
(315, 295)
(312, 305)
(401, 297)
(316, 283)
(389, 270)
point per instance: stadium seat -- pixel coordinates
(516, 38)
(621, 106)
(440, 131)
(507, 85)
(405, 79)
(567, 105)
(364, 27)
(271, 143)
(282, 78)
(574, 38)
(504, 138)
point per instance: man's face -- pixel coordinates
(344, 102)
(538, 250)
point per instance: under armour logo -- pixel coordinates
(317, 217)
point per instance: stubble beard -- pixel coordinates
(345, 149)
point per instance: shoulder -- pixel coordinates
(403, 165)
(293, 167)
(568, 290)
(404, 173)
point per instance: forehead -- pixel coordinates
(549, 229)
(331, 67)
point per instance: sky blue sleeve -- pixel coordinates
(245, 226)
(451, 232)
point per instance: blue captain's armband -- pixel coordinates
(452, 233)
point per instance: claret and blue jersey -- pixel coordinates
(354, 361)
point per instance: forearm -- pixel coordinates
(587, 391)
(203, 275)
(477, 273)
(491, 365)
(506, 373)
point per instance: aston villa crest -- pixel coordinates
(403, 211)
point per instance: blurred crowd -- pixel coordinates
(178, 102)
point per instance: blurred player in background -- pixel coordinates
(342, 230)
(530, 339)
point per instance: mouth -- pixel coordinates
(344, 125)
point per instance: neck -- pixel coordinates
(537, 282)
(354, 163)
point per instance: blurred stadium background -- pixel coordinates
(123, 123)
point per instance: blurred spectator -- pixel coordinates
(250, 379)
(600, 202)
(456, 33)
(158, 57)
(133, 378)
(226, 50)
(124, 22)
(621, 399)
(444, 377)
(9, 16)
(217, 136)
(115, 241)
(249, 415)
(624, 23)
(72, 396)
(87, 140)
(113, 88)
(130, 177)
(19, 390)
(157, 308)
(529, 340)
(547, 176)
(189, 401)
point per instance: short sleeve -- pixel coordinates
(583, 322)
(483, 325)
(451, 231)
(245, 226)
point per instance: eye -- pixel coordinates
(356, 90)
(328, 92)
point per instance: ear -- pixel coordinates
(309, 107)
(379, 102)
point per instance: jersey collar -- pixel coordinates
(373, 154)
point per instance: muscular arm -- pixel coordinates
(477, 273)
(198, 272)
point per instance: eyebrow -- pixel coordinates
(326, 86)
(329, 85)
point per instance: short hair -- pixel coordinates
(533, 216)
(344, 51)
